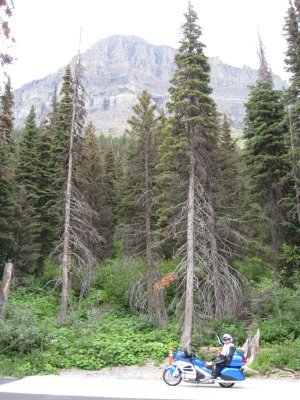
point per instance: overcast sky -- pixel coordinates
(47, 31)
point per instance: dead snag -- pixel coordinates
(7, 275)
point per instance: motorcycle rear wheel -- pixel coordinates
(226, 385)
(171, 380)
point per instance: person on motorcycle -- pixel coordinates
(224, 356)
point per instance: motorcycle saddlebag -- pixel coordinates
(228, 373)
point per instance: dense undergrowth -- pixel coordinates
(102, 331)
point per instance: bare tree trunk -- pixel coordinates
(251, 348)
(7, 275)
(150, 268)
(155, 299)
(189, 290)
(214, 261)
(277, 241)
(66, 259)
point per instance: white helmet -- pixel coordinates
(227, 336)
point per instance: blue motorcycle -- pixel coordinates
(189, 368)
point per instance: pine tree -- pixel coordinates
(292, 94)
(192, 139)
(47, 235)
(65, 131)
(267, 155)
(26, 233)
(60, 128)
(230, 195)
(80, 237)
(27, 172)
(6, 174)
(90, 183)
(111, 192)
(27, 177)
(138, 202)
(46, 178)
(6, 122)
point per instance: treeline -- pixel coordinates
(176, 186)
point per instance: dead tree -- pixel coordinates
(251, 348)
(67, 253)
(7, 275)
(80, 236)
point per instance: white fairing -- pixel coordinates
(189, 370)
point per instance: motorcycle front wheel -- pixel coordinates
(171, 380)
(226, 385)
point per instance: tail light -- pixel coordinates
(243, 360)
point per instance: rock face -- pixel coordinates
(118, 68)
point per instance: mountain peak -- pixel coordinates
(118, 68)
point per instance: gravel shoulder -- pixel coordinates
(152, 372)
(145, 372)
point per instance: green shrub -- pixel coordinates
(254, 269)
(21, 332)
(264, 361)
(287, 355)
(109, 341)
(276, 311)
(51, 275)
(237, 329)
(116, 279)
(290, 259)
(43, 302)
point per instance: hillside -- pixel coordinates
(117, 68)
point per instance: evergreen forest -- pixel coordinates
(113, 248)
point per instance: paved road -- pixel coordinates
(6, 380)
(52, 387)
(22, 396)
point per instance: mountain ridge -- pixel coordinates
(118, 68)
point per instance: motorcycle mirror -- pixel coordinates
(220, 340)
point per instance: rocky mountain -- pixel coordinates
(118, 68)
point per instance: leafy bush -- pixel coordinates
(21, 332)
(263, 361)
(238, 330)
(41, 301)
(287, 355)
(116, 279)
(254, 269)
(104, 333)
(290, 265)
(110, 341)
(276, 311)
(51, 275)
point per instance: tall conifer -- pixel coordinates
(6, 174)
(230, 195)
(192, 139)
(27, 228)
(111, 192)
(60, 128)
(138, 200)
(267, 155)
(292, 94)
(90, 183)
